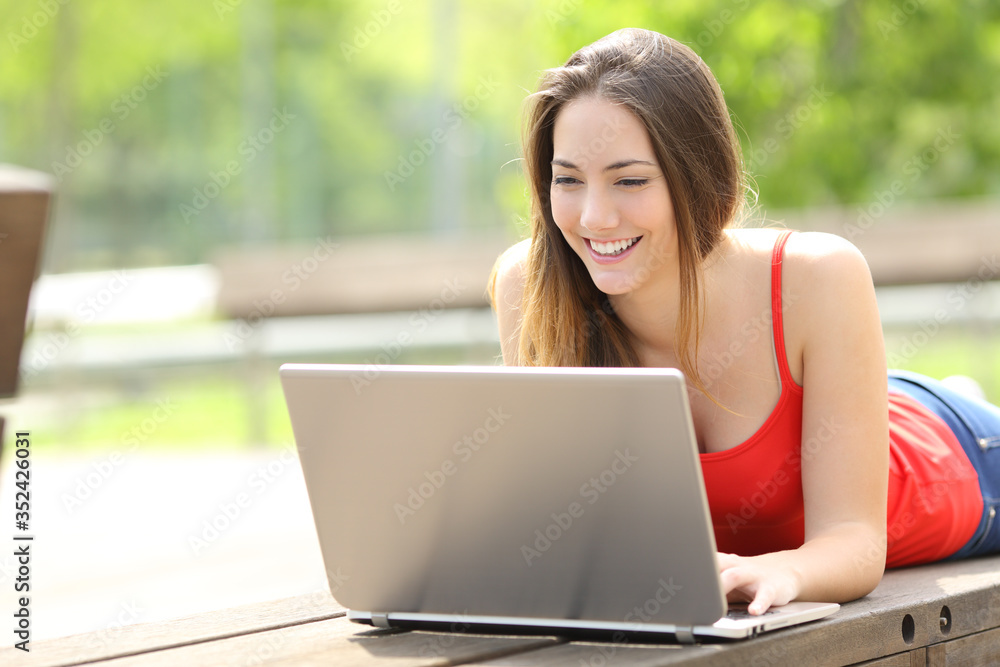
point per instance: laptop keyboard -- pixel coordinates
(740, 613)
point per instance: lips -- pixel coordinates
(612, 248)
(609, 252)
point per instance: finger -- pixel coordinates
(739, 578)
(726, 561)
(762, 601)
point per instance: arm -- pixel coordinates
(506, 290)
(834, 326)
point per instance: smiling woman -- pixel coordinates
(590, 201)
(605, 138)
(819, 468)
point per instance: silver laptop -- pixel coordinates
(556, 500)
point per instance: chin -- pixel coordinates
(615, 284)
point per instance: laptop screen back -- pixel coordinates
(541, 493)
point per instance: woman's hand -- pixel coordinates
(759, 580)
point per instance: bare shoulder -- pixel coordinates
(506, 292)
(507, 279)
(826, 289)
(826, 263)
(806, 250)
(832, 304)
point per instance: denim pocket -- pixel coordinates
(988, 443)
(973, 549)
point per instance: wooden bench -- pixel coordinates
(939, 614)
(364, 274)
(937, 242)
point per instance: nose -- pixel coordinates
(599, 212)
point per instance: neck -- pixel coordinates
(650, 312)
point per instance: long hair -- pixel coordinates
(566, 320)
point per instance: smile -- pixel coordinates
(611, 249)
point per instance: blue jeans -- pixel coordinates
(976, 424)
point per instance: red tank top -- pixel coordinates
(934, 502)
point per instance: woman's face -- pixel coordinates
(609, 196)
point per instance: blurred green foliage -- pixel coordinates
(176, 127)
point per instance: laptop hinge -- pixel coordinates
(684, 634)
(380, 619)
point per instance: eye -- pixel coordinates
(564, 180)
(633, 182)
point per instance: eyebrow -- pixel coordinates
(621, 164)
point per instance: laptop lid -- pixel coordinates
(563, 493)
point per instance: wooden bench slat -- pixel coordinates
(982, 648)
(398, 272)
(921, 242)
(924, 242)
(337, 641)
(144, 638)
(917, 658)
(867, 629)
(312, 630)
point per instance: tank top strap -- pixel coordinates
(777, 325)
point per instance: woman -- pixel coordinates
(635, 258)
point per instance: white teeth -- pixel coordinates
(614, 248)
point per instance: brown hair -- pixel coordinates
(566, 320)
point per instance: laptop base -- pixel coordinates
(725, 629)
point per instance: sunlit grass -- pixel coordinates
(213, 413)
(975, 353)
(209, 408)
